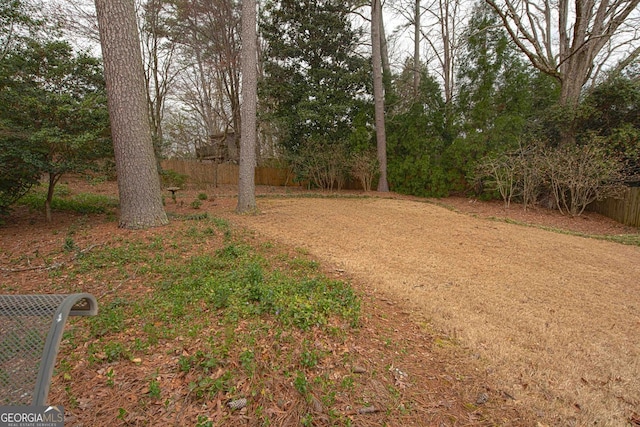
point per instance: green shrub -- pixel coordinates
(83, 203)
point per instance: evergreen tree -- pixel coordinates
(315, 80)
(417, 136)
(17, 172)
(499, 94)
(53, 114)
(611, 112)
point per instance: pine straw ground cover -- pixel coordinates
(552, 315)
(202, 324)
(205, 322)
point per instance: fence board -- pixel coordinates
(625, 210)
(202, 174)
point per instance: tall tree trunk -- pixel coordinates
(416, 50)
(384, 53)
(570, 90)
(378, 94)
(138, 180)
(249, 67)
(448, 12)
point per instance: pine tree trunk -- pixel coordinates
(378, 95)
(416, 51)
(384, 53)
(249, 66)
(138, 180)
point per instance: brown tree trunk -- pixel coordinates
(570, 90)
(53, 180)
(138, 180)
(416, 51)
(378, 95)
(249, 67)
(384, 53)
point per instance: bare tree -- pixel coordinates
(441, 31)
(438, 24)
(416, 50)
(632, 54)
(564, 39)
(378, 94)
(138, 180)
(158, 53)
(198, 93)
(249, 66)
(209, 33)
(78, 18)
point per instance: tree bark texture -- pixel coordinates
(384, 53)
(138, 180)
(378, 94)
(416, 51)
(249, 67)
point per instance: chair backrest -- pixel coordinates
(31, 328)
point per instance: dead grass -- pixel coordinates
(493, 323)
(553, 316)
(154, 356)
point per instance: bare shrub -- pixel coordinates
(531, 176)
(501, 173)
(323, 165)
(364, 166)
(579, 175)
(573, 176)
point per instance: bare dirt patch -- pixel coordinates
(493, 322)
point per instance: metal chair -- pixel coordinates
(31, 328)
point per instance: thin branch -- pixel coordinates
(53, 266)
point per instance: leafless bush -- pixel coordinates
(324, 166)
(364, 166)
(573, 176)
(531, 176)
(579, 175)
(501, 172)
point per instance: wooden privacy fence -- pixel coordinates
(202, 174)
(625, 210)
